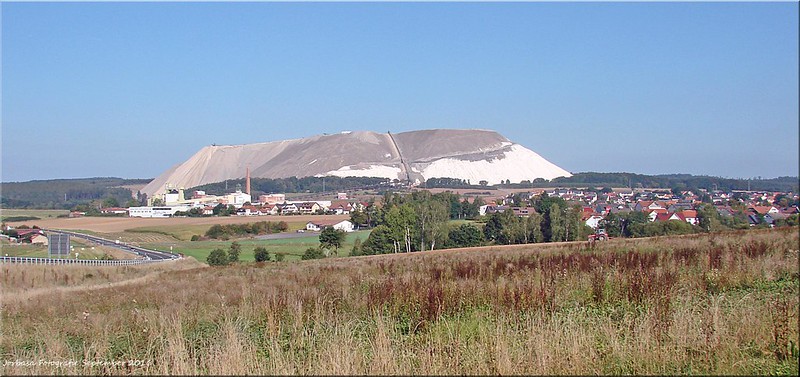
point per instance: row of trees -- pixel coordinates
(294, 184)
(226, 231)
(418, 222)
(222, 257)
(67, 193)
(553, 221)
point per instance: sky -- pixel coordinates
(131, 89)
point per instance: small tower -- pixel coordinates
(247, 184)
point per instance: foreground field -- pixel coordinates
(718, 304)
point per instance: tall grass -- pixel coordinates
(724, 304)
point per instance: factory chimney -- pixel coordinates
(247, 184)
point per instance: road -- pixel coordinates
(145, 253)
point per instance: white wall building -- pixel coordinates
(162, 211)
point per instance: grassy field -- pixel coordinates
(40, 213)
(186, 231)
(291, 248)
(706, 304)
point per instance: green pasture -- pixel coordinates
(185, 232)
(291, 248)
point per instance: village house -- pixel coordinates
(341, 207)
(592, 219)
(308, 208)
(287, 208)
(318, 225)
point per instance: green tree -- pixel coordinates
(218, 257)
(709, 218)
(359, 218)
(464, 235)
(556, 222)
(401, 222)
(431, 219)
(331, 238)
(573, 227)
(313, 253)
(379, 241)
(493, 227)
(234, 252)
(110, 202)
(357, 248)
(533, 228)
(261, 254)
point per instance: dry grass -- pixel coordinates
(725, 304)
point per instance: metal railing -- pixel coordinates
(86, 262)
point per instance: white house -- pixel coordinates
(594, 221)
(318, 225)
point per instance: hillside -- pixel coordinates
(417, 155)
(662, 306)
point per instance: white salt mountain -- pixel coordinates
(474, 155)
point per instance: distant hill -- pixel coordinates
(476, 155)
(50, 194)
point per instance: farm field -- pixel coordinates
(121, 224)
(40, 213)
(702, 304)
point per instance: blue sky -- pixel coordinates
(130, 89)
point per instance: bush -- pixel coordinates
(261, 254)
(233, 253)
(218, 231)
(218, 257)
(196, 237)
(357, 248)
(313, 253)
(279, 257)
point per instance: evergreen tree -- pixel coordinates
(234, 252)
(261, 255)
(217, 257)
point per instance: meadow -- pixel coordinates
(290, 248)
(702, 304)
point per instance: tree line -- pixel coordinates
(227, 231)
(292, 184)
(67, 193)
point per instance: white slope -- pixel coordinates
(473, 155)
(380, 171)
(517, 164)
